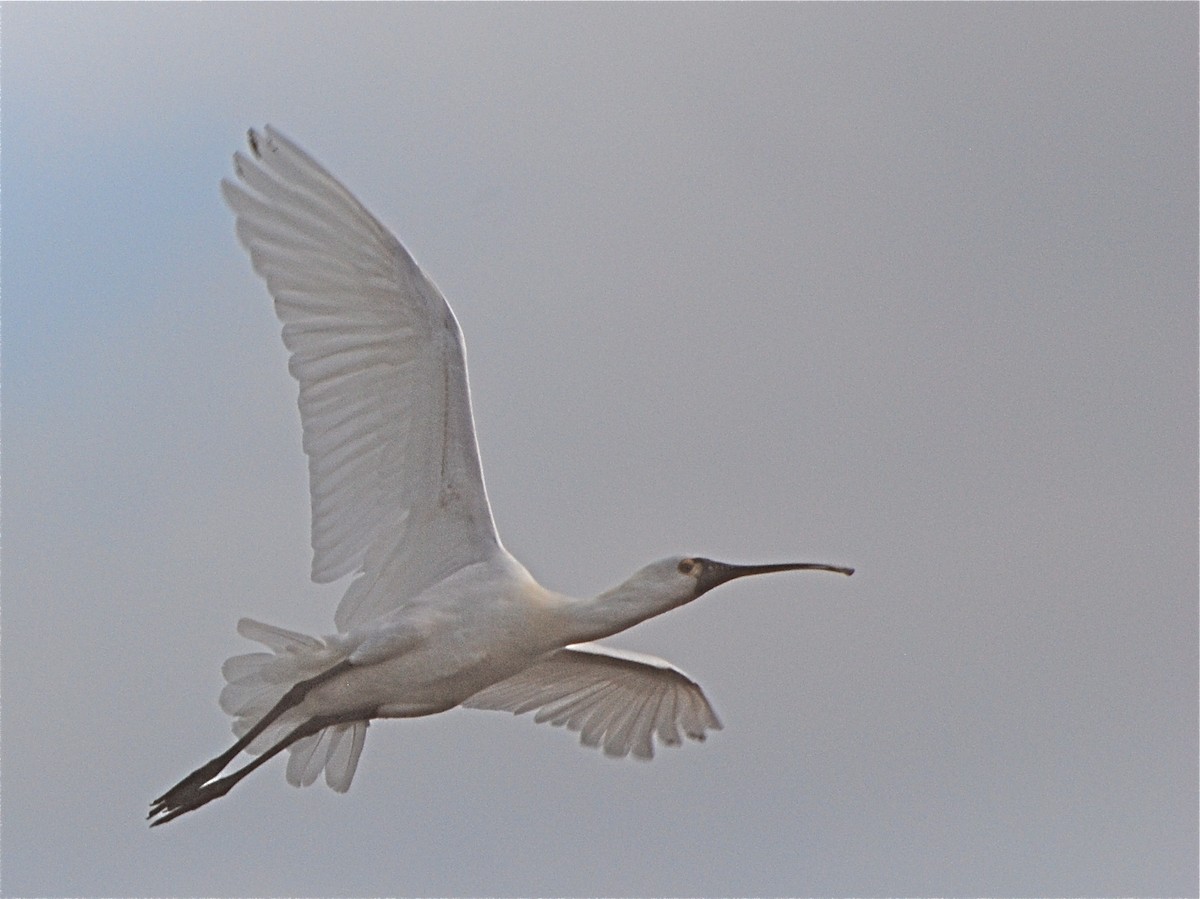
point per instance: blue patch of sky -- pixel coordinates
(95, 235)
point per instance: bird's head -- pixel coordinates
(665, 585)
(699, 575)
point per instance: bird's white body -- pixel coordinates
(479, 625)
(438, 614)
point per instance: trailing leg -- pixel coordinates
(191, 785)
(204, 793)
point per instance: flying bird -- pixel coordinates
(437, 613)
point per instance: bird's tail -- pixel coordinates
(257, 681)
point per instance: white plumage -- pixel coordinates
(615, 699)
(437, 613)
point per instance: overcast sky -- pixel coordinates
(910, 288)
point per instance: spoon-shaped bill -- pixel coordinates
(716, 573)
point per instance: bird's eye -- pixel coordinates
(688, 566)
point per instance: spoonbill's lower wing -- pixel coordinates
(397, 490)
(614, 699)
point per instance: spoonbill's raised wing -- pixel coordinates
(397, 491)
(438, 614)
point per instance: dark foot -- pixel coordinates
(186, 788)
(190, 800)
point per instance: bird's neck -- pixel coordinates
(611, 612)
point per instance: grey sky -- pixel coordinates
(906, 287)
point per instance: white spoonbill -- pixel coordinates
(438, 614)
